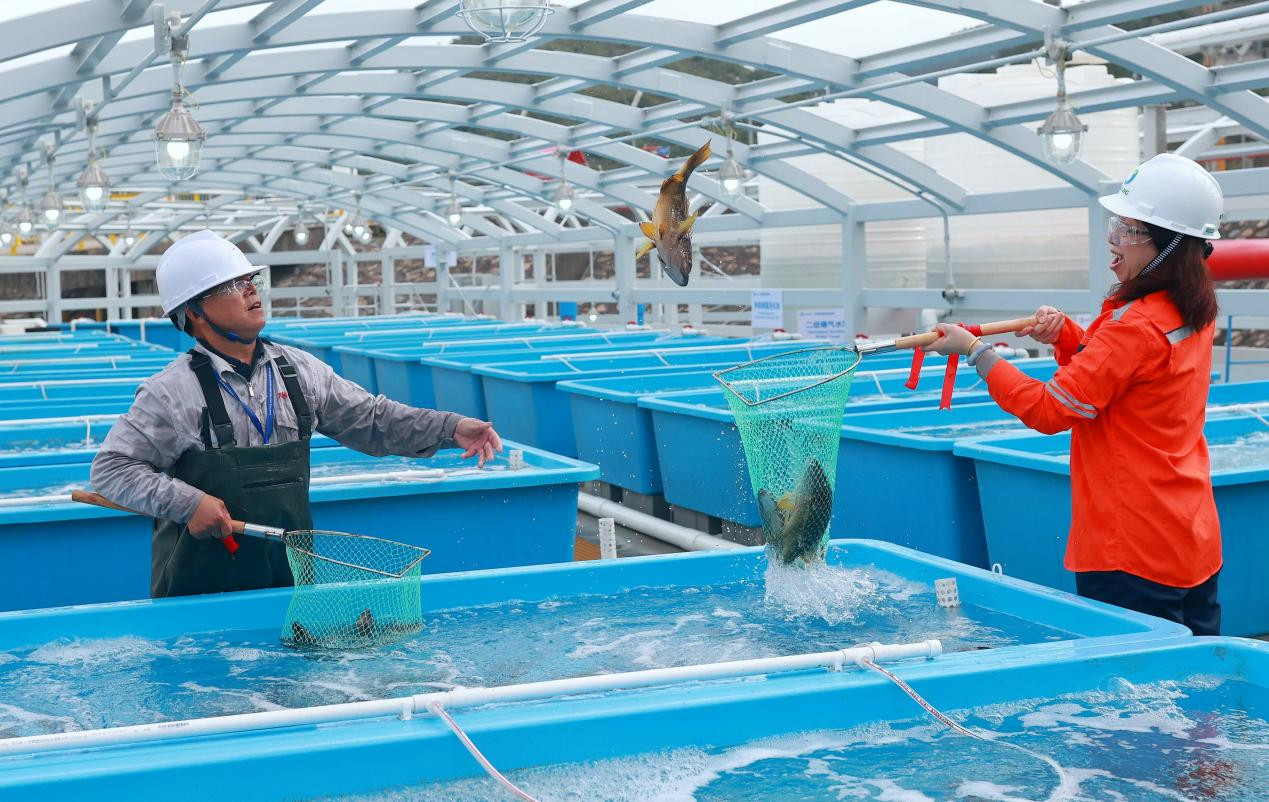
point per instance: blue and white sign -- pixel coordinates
(823, 324)
(768, 309)
(429, 256)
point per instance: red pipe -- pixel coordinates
(1237, 259)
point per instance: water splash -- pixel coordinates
(830, 593)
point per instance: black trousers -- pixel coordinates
(1196, 607)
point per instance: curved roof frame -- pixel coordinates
(143, 110)
(270, 114)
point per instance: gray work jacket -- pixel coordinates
(166, 416)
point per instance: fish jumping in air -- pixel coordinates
(670, 229)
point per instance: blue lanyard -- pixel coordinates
(266, 431)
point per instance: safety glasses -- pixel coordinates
(1120, 233)
(238, 286)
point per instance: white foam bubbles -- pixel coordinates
(828, 592)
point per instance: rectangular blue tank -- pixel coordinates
(703, 465)
(62, 440)
(1104, 651)
(320, 342)
(17, 348)
(349, 322)
(152, 330)
(64, 407)
(66, 388)
(614, 432)
(898, 445)
(522, 396)
(55, 335)
(85, 367)
(61, 552)
(1024, 486)
(458, 386)
(402, 376)
(357, 366)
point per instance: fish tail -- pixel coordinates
(695, 160)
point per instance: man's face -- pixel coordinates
(236, 306)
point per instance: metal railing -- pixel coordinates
(1229, 350)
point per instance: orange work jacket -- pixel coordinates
(1133, 391)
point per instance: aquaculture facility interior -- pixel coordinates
(634, 400)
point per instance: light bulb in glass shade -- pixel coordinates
(1062, 133)
(177, 150)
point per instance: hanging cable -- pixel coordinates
(1065, 784)
(435, 709)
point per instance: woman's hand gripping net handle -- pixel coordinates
(239, 527)
(919, 340)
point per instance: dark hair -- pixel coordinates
(1183, 274)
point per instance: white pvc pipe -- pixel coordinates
(56, 421)
(426, 475)
(699, 349)
(681, 536)
(72, 346)
(72, 360)
(75, 382)
(409, 706)
(1248, 409)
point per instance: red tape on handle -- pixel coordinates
(231, 544)
(914, 377)
(949, 375)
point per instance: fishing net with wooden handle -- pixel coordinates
(351, 591)
(788, 409)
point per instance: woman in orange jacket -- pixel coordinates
(1132, 389)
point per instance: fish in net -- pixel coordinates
(351, 591)
(788, 409)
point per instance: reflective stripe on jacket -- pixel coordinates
(1133, 391)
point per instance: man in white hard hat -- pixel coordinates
(1132, 389)
(223, 433)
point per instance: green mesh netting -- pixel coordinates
(351, 591)
(788, 409)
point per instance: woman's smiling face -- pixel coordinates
(1131, 248)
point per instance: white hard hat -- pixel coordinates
(196, 263)
(1171, 192)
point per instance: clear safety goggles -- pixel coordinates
(1118, 232)
(238, 286)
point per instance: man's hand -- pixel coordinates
(211, 519)
(1048, 325)
(478, 438)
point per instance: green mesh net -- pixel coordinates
(351, 591)
(788, 409)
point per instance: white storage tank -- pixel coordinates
(1015, 250)
(810, 256)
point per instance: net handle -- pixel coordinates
(997, 327)
(231, 545)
